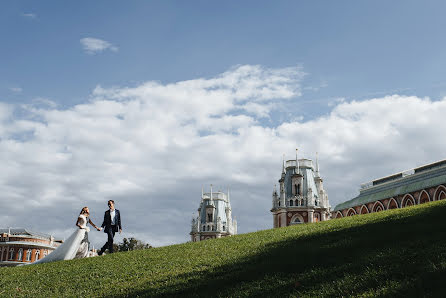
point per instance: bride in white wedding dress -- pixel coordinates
(76, 246)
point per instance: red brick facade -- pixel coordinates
(17, 249)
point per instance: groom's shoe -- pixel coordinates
(100, 253)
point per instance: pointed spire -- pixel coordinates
(229, 201)
(202, 193)
(317, 166)
(283, 164)
(211, 192)
(297, 162)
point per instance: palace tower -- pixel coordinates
(301, 196)
(214, 217)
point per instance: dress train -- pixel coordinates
(75, 247)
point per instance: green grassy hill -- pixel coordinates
(392, 253)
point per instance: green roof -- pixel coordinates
(411, 183)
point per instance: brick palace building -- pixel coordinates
(417, 186)
(19, 246)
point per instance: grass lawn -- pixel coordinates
(392, 253)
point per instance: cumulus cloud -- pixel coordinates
(95, 45)
(151, 147)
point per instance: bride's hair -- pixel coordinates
(84, 210)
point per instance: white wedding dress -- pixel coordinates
(75, 247)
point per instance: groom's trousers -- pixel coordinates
(110, 236)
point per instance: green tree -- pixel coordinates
(132, 244)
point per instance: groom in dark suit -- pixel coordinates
(111, 224)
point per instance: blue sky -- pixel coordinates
(353, 49)
(144, 102)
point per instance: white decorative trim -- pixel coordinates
(405, 201)
(380, 204)
(364, 206)
(348, 211)
(435, 197)
(30, 244)
(392, 199)
(421, 193)
(297, 215)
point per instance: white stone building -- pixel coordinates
(301, 196)
(214, 218)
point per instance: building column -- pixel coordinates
(323, 216)
(283, 219)
(310, 215)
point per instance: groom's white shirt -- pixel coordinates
(112, 216)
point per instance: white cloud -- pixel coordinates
(5, 112)
(16, 89)
(94, 45)
(29, 15)
(42, 101)
(152, 147)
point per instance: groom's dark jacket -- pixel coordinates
(106, 224)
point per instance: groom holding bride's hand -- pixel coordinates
(111, 224)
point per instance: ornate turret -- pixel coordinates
(302, 196)
(214, 217)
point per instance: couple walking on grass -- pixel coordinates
(77, 245)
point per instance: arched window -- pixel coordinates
(28, 255)
(208, 228)
(11, 254)
(408, 200)
(363, 210)
(298, 189)
(1, 256)
(315, 202)
(297, 202)
(424, 198)
(351, 212)
(291, 202)
(224, 228)
(209, 217)
(45, 253)
(20, 255)
(37, 254)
